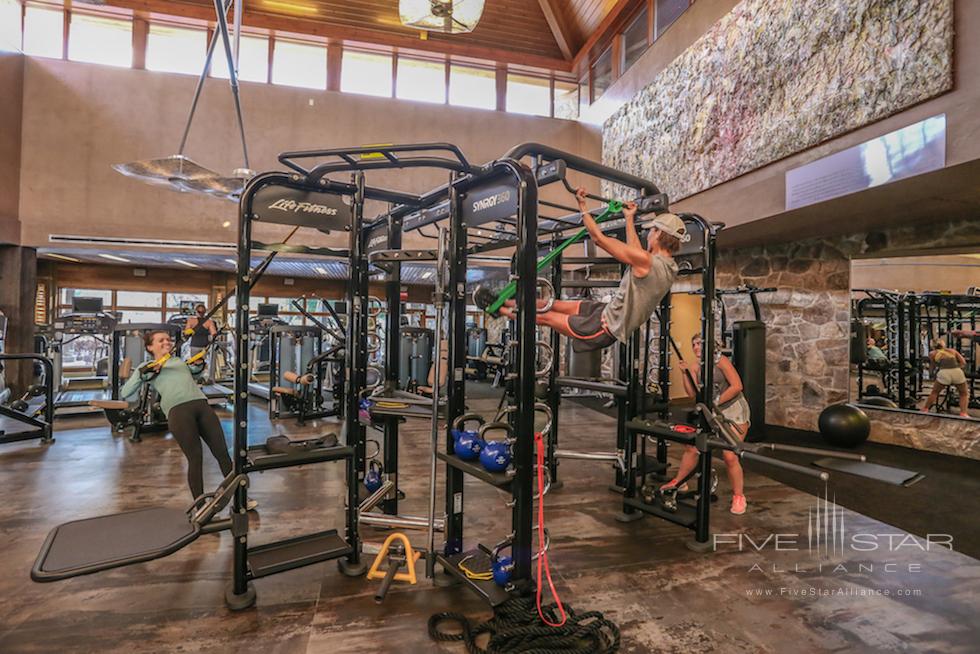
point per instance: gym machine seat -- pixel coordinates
(112, 405)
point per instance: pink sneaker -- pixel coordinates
(738, 504)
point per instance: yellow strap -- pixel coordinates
(470, 574)
(162, 360)
(197, 357)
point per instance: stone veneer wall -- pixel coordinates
(807, 359)
(773, 78)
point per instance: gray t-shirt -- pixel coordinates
(637, 298)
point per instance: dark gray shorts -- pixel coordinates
(590, 332)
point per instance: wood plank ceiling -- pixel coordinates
(546, 34)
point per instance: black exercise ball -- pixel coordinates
(844, 425)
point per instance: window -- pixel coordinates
(635, 40)
(583, 94)
(253, 59)
(472, 87)
(136, 315)
(174, 300)
(421, 80)
(172, 49)
(44, 30)
(366, 72)
(566, 100)
(299, 64)
(667, 12)
(100, 40)
(67, 294)
(601, 74)
(139, 299)
(9, 25)
(528, 95)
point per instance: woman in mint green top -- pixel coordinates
(190, 417)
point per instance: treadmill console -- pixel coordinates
(85, 323)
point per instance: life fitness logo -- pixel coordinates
(303, 207)
(492, 201)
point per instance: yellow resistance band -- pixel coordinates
(470, 574)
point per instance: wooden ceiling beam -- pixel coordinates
(329, 31)
(559, 26)
(613, 21)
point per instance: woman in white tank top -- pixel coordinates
(730, 400)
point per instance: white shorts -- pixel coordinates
(951, 376)
(738, 412)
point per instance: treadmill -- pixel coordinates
(75, 393)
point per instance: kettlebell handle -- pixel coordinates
(503, 426)
(499, 547)
(459, 422)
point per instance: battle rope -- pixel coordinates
(523, 626)
(516, 628)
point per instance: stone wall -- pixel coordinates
(807, 360)
(773, 78)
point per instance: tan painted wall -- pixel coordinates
(80, 118)
(11, 106)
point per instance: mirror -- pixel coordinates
(915, 334)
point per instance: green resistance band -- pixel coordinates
(508, 292)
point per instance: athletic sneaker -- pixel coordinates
(251, 505)
(738, 504)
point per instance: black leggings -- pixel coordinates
(191, 422)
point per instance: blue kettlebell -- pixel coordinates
(496, 454)
(503, 567)
(466, 444)
(372, 480)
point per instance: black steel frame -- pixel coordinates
(43, 428)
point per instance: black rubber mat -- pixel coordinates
(115, 538)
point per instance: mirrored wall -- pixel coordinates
(915, 334)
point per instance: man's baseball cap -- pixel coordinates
(669, 223)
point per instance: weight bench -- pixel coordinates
(90, 545)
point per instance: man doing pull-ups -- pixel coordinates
(650, 274)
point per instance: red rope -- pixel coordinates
(542, 554)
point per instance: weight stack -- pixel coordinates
(749, 359)
(416, 355)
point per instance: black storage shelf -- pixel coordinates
(260, 459)
(410, 411)
(487, 590)
(498, 479)
(685, 516)
(273, 558)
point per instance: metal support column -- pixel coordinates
(456, 360)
